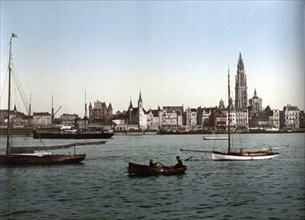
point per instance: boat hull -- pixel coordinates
(78, 135)
(144, 170)
(40, 159)
(244, 156)
(215, 138)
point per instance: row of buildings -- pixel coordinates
(245, 114)
(212, 118)
(168, 118)
(100, 115)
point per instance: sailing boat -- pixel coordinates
(32, 158)
(242, 153)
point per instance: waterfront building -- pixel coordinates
(274, 118)
(17, 119)
(136, 117)
(241, 89)
(132, 118)
(260, 121)
(302, 119)
(241, 117)
(222, 104)
(142, 114)
(256, 104)
(291, 117)
(220, 119)
(171, 117)
(232, 118)
(42, 119)
(100, 113)
(69, 120)
(265, 120)
(119, 124)
(119, 121)
(191, 118)
(206, 118)
(3, 117)
(153, 119)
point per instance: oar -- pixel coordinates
(202, 151)
(160, 164)
(189, 159)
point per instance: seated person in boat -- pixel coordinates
(152, 164)
(179, 164)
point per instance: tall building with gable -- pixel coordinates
(256, 103)
(291, 117)
(241, 93)
(136, 117)
(100, 113)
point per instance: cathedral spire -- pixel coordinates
(140, 102)
(130, 104)
(240, 64)
(140, 97)
(241, 93)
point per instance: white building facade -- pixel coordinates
(291, 117)
(42, 119)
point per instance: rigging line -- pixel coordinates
(15, 96)
(240, 141)
(41, 141)
(214, 144)
(231, 140)
(4, 88)
(20, 89)
(4, 70)
(16, 99)
(5, 56)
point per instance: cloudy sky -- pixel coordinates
(175, 53)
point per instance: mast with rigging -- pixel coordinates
(241, 154)
(229, 114)
(9, 96)
(12, 157)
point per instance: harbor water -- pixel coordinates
(100, 188)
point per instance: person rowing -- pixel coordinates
(179, 162)
(152, 164)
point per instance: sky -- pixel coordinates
(173, 52)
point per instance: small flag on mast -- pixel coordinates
(14, 35)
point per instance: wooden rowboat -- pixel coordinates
(145, 170)
(34, 159)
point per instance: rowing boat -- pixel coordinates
(145, 170)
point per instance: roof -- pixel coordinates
(41, 114)
(255, 95)
(155, 113)
(134, 111)
(173, 108)
(292, 108)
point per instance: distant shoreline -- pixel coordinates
(29, 132)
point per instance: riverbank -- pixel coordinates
(29, 132)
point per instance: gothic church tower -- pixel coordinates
(241, 94)
(140, 102)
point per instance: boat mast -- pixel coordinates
(229, 114)
(52, 112)
(86, 126)
(30, 110)
(9, 97)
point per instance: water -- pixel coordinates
(100, 187)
